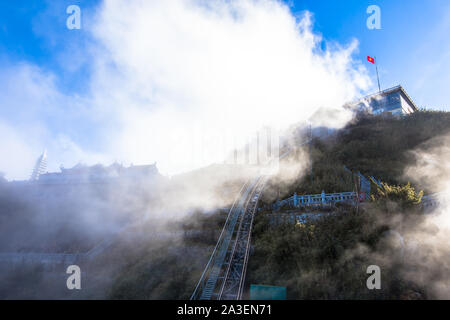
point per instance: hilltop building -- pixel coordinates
(99, 174)
(393, 100)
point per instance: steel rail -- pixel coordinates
(247, 251)
(233, 283)
(196, 292)
(233, 252)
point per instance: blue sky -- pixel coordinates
(49, 73)
(412, 48)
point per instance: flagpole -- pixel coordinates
(378, 77)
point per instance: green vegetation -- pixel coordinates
(378, 146)
(327, 258)
(160, 273)
(322, 259)
(390, 199)
(171, 268)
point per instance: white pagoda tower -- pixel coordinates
(40, 167)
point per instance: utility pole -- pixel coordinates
(310, 152)
(378, 77)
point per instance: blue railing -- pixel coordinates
(434, 200)
(320, 199)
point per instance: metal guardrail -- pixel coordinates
(428, 202)
(434, 200)
(55, 258)
(42, 258)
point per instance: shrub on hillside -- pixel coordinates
(391, 199)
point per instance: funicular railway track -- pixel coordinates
(224, 276)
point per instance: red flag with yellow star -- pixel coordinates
(370, 59)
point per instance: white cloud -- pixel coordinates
(34, 116)
(170, 77)
(431, 236)
(171, 67)
(16, 153)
